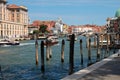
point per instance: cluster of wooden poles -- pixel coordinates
(71, 53)
(48, 53)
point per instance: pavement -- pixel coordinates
(107, 69)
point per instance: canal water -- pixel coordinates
(18, 62)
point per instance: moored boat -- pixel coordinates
(69, 37)
(9, 42)
(51, 40)
(42, 37)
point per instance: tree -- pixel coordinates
(36, 32)
(43, 28)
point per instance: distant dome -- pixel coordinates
(117, 14)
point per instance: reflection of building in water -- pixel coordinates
(58, 26)
(13, 20)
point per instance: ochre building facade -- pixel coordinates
(13, 20)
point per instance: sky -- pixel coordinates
(72, 12)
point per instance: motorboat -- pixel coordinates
(42, 37)
(8, 42)
(69, 37)
(51, 40)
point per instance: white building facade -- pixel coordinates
(58, 26)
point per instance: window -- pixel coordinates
(12, 15)
(0, 16)
(17, 10)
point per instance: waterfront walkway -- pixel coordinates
(107, 69)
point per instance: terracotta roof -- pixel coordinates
(13, 6)
(36, 23)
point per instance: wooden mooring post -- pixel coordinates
(106, 47)
(114, 43)
(95, 42)
(98, 46)
(81, 52)
(87, 41)
(89, 52)
(1, 74)
(47, 51)
(50, 51)
(71, 56)
(42, 57)
(36, 51)
(62, 51)
(101, 41)
(108, 44)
